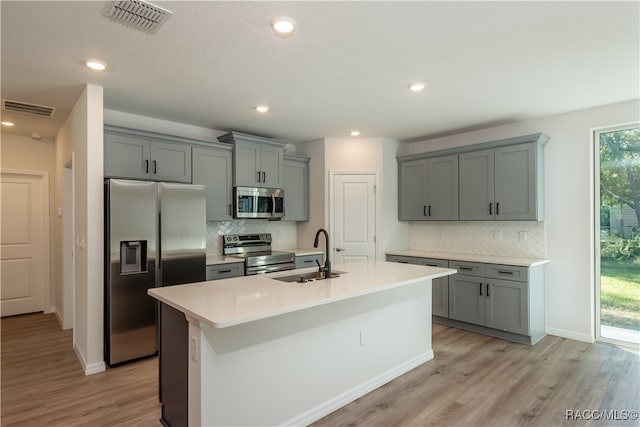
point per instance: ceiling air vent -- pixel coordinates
(137, 14)
(33, 109)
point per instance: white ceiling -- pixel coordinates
(346, 67)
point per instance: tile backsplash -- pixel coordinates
(284, 233)
(516, 239)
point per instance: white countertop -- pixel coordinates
(486, 259)
(229, 302)
(223, 259)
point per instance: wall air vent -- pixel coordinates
(137, 14)
(24, 107)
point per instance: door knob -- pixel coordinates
(339, 249)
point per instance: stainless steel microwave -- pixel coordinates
(254, 202)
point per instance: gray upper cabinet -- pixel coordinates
(296, 188)
(502, 184)
(428, 189)
(212, 167)
(138, 157)
(126, 157)
(495, 180)
(477, 185)
(258, 161)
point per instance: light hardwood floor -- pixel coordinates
(474, 380)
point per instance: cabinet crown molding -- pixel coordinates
(538, 138)
(232, 137)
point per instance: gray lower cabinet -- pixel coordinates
(508, 300)
(213, 168)
(439, 286)
(296, 188)
(505, 301)
(137, 157)
(225, 271)
(304, 261)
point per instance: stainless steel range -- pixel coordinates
(257, 253)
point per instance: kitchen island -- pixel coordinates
(257, 351)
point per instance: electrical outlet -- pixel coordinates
(497, 234)
(523, 236)
(194, 349)
(363, 337)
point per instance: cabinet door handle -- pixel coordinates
(155, 168)
(264, 177)
(429, 210)
(230, 211)
(424, 210)
(487, 289)
(497, 208)
(146, 166)
(480, 288)
(490, 209)
(258, 179)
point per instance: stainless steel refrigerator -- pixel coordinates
(155, 235)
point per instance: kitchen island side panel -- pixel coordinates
(295, 368)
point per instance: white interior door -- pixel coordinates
(354, 216)
(24, 242)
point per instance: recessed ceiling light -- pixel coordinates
(95, 65)
(416, 87)
(283, 26)
(355, 133)
(262, 108)
(9, 124)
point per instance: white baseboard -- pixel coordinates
(572, 335)
(89, 368)
(349, 396)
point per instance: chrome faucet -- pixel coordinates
(327, 263)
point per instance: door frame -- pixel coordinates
(46, 246)
(595, 147)
(331, 204)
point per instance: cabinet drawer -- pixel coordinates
(304, 261)
(225, 271)
(468, 268)
(507, 272)
(402, 259)
(432, 262)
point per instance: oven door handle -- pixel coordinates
(270, 268)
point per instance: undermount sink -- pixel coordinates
(308, 277)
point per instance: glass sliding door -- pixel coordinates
(618, 235)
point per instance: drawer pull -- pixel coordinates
(308, 260)
(505, 272)
(465, 268)
(224, 271)
(431, 265)
(403, 262)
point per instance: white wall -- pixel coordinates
(82, 132)
(354, 155)
(569, 206)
